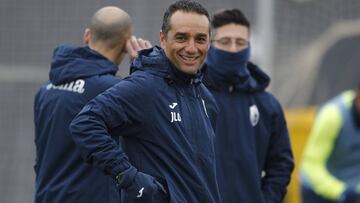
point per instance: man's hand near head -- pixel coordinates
(134, 44)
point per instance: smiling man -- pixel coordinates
(186, 43)
(163, 113)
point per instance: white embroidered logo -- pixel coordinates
(173, 105)
(74, 86)
(254, 115)
(140, 192)
(175, 116)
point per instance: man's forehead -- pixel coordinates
(181, 20)
(195, 34)
(232, 30)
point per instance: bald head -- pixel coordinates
(110, 26)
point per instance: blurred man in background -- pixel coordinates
(330, 168)
(253, 152)
(77, 75)
(160, 111)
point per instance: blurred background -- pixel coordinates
(310, 48)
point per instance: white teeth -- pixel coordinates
(189, 58)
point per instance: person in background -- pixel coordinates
(77, 75)
(330, 166)
(253, 153)
(163, 114)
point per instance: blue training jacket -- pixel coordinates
(162, 116)
(253, 153)
(77, 75)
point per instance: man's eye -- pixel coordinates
(224, 41)
(201, 40)
(241, 42)
(180, 38)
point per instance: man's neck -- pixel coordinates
(107, 53)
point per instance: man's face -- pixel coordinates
(187, 41)
(231, 37)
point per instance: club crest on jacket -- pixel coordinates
(254, 115)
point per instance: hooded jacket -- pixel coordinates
(77, 75)
(253, 153)
(164, 119)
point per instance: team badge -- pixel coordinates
(254, 115)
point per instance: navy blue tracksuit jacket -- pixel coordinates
(165, 127)
(253, 153)
(77, 75)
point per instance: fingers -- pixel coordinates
(133, 45)
(134, 42)
(145, 44)
(141, 43)
(130, 49)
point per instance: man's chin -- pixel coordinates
(189, 70)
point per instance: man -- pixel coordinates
(160, 112)
(253, 153)
(330, 168)
(77, 75)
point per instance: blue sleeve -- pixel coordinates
(119, 108)
(36, 121)
(279, 161)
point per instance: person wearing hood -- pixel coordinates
(253, 154)
(77, 75)
(163, 114)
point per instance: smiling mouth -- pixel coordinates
(189, 59)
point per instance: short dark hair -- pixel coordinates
(185, 6)
(228, 16)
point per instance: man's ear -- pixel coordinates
(87, 36)
(162, 39)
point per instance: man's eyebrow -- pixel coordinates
(181, 33)
(201, 35)
(226, 37)
(241, 38)
(237, 38)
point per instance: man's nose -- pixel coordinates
(233, 47)
(191, 46)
